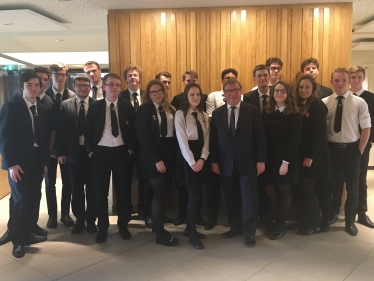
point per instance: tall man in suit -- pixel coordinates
(93, 71)
(58, 93)
(71, 151)
(110, 141)
(24, 146)
(238, 150)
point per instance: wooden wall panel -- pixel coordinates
(209, 40)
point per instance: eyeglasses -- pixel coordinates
(153, 93)
(233, 91)
(283, 91)
(85, 86)
(57, 75)
(273, 68)
(112, 85)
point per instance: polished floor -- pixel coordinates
(331, 256)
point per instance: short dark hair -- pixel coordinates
(110, 75)
(231, 81)
(269, 61)
(193, 73)
(309, 61)
(227, 71)
(340, 70)
(26, 77)
(41, 69)
(81, 77)
(58, 66)
(92, 62)
(356, 68)
(260, 67)
(163, 73)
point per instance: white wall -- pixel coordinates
(365, 59)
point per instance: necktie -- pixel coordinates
(200, 134)
(94, 92)
(164, 124)
(232, 121)
(36, 124)
(338, 115)
(136, 102)
(113, 120)
(277, 111)
(354, 94)
(58, 97)
(81, 119)
(264, 101)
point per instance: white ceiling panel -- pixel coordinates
(363, 46)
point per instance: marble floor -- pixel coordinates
(329, 256)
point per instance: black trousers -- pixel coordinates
(26, 195)
(213, 186)
(50, 188)
(115, 161)
(346, 161)
(81, 176)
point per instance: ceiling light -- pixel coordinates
(8, 23)
(59, 40)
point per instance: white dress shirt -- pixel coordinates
(132, 97)
(169, 119)
(99, 93)
(55, 93)
(358, 93)
(355, 115)
(237, 107)
(29, 104)
(41, 96)
(214, 100)
(186, 129)
(86, 105)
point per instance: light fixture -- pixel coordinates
(163, 18)
(243, 15)
(8, 23)
(59, 40)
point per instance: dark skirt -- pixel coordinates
(183, 174)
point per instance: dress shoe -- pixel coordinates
(78, 228)
(7, 237)
(210, 223)
(148, 222)
(32, 239)
(325, 226)
(125, 233)
(351, 229)
(197, 244)
(167, 219)
(365, 220)
(334, 218)
(231, 233)
(277, 234)
(37, 230)
(52, 222)
(141, 211)
(18, 251)
(249, 241)
(91, 228)
(294, 226)
(101, 237)
(200, 220)
(179, 220)
(167, 240)
(309, 231)
(67, 220)
(187, 234)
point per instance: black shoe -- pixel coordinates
(231, 233)
(101, 237)
(91, 228)
(294, 226)
(278, 234)
(7, 237)
(365, 220)
(52, 222)
(78, 228)
(38, 231)
(351, 229)
(200, 220)
(18, 251)
(187, 234)
(309, 231)
(179, 220)
(141, 211)
(210, 223)
(31, 239)
(325, 226)
(167, 240)
(125, 233)
(167, 219)
(249, 241)
(197, 244)
(67, 220)
(334, 218)
(148, 222)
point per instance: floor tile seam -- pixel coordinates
(296, 279)
(13, 261)
(235, 260)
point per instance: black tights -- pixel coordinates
(159, 188)
(311, 203)
(280, 200)
(194, 194)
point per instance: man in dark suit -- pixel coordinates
(24, 145)
(58, 93)
(238, 154)
(311, 66)
(110, 141)
(93, 72)
(71, 151)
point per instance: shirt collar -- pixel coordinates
(41, 96)
(55, 92)
(155, 104)
(108, 102)
(98, 86)
(280, 109)
(29, 103)
(345, 95)
(79, 100)
(237, 106)
(131, 91)
(358, 93)
(261, 94)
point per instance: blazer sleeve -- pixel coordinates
(61, 132)
(7, 138)
(295, 137)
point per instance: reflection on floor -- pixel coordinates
(331, 256)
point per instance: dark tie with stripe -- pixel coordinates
(113, 120)
(81, 119)
(94, 93)
(164, 123)
(136, 102)
(36, 124)
(338, 115)
(232, 121)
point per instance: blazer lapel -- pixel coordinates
(73, 109)
(154, 122)
(26, 113)
(241, 117)
(102, 115)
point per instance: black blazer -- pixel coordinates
(67, 140)
(95, 122)
(323, 92)
(369, 98)
(17, 136)
(178, 98)
(247, 147)
(252, 97)
(126, 94)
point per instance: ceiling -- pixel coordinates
(81, 25)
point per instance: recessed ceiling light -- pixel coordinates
(8, 23)
(59, 40)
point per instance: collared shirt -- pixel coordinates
(41, 96)
(186, 129)
(99, 93)
(169, 119)
(355, 115)
(237, 107)
(29, 104)
(55, 92)
(107, 138)
(280, 108)
(215, 100)
(86, 105)
(358, 93)
(260, 98)
(132, 97)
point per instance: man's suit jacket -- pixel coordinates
(17, 136)
(67, 140)
(95, 122)
(323, 91)
(247, 147)
(176, 102)
(369, 98)
(126, 95)
(252, 97)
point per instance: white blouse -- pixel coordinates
(186, 129)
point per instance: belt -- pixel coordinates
(343, 145)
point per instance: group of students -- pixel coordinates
(258, 146)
